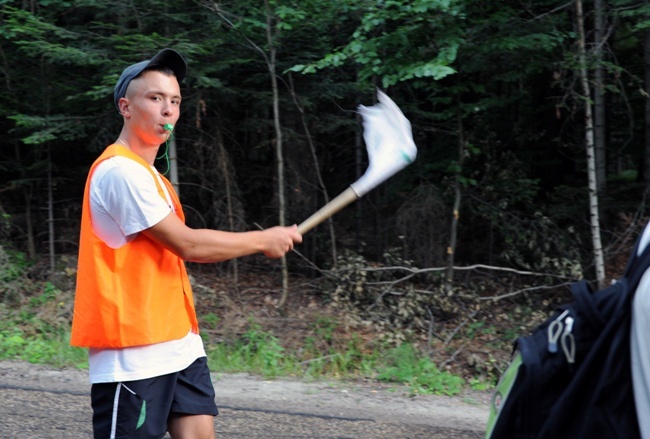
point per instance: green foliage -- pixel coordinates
(500, 208)
(260, 352)
(38, 330)
(476, 328)
(631, 10)
(46, 129)
(210, 320)
(13, 279)
(541, 247)
(325, 354)
(34, 320)
(53, 349)
(288, 15)
(394, 41)
(12, 265)
(501, 67)
(256, 351)
(406, 366)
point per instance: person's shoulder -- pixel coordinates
(122, 168)
(119, 161)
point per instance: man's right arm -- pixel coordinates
(206, 245)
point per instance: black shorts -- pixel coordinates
(142, 408)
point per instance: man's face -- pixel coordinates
(153, 100)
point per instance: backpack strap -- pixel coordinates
(638, 264)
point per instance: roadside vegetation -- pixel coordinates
(335, 329)
(35, 324)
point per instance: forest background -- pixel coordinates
(531, 120)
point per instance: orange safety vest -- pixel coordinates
(138, 294)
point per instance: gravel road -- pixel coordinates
(37, 402)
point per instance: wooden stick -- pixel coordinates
(343, 199)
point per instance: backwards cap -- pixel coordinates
(165, 58)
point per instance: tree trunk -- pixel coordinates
(50, 213)
(600, 140)
(229, 196)
(28, 194)
(646, 58)
(278, 144)
(589, 141)
(358, 172)
(451, 250)
(319, 176)
(270, 58)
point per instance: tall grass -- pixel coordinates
(35, 331)
(260, 352)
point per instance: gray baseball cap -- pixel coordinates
(165, 58)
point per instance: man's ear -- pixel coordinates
(124, 107)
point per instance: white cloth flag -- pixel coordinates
(389, 142)
(390, 146)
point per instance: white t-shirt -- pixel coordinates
(124, 201)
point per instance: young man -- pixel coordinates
(134, 308)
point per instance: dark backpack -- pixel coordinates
(572, 377)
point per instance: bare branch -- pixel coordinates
(525, 290)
